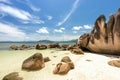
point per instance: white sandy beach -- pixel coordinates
(96, 69)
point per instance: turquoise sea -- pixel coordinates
(6, 45)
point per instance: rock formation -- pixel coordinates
(35, 62)
(54, 45)
(14, 47)
(64, 46)
(41, 47)
(22, 47)
(46, 59)
(115, 63)
(71, 47)
(12, 76)
(66, 59)
(105, 37)
(64, 66)
(77, 51)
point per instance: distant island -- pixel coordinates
(49, 41)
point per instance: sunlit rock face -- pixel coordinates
(105, 36)
(35, 62)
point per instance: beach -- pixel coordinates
(89, 66)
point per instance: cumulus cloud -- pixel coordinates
(20, 14)
(87, 26)
(59, 30)
(11, 30)
(49, 17)
(76, 28)
(74, 7)
(62, 28)
(43, 30)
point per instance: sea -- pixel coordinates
(6, 45)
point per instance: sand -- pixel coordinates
(87, 67)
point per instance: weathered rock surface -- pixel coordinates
(77, 51)
(64, 46)
(14, 47)
(46, 59)
(105, 36)
(22, 47)
(64, 66)
(71, 47)
(35, 62)
(41, 47)
(66, 59)
(12, 76)
(115, 63)
(54, 45)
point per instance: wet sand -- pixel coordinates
(87, 67)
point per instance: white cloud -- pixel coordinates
(49, 17)
(76, 28)
(43, 30)
(20, 14)
(15, 12)
(87, 26)
(75, 5)
(62, 28)
(59, 30)
(11, 30)
(34, 8)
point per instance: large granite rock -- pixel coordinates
(77, 51)
(14, 47)
(22, 47)
(35, 62)
(64, 46)
(46, 59)
(105, 36)
(66, 59)
(12, 76)
(64, 66)
(54, 45)
(41, 47)
(115, 63)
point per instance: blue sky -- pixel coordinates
(33, 20)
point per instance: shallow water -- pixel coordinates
(6, 45)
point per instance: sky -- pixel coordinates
(57, 20)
